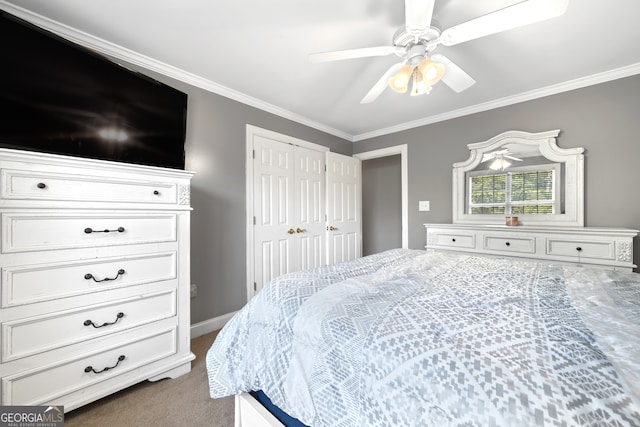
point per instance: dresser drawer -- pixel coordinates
(38, 185)
(34, 283)
(510, 244)
(47, 383)
(22, 232)
(451, 239)
(33, 335)
(599, 249)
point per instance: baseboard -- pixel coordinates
(210, 325)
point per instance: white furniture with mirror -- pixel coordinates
(526, 175)
(521, 174)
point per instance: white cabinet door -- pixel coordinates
(344, 226)
(289, 209)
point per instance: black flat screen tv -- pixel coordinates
(58, 97)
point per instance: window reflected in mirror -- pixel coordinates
(520, 190)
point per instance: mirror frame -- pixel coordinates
(572, 158)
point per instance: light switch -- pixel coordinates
(423, 205)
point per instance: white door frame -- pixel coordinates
(392, 151)
(253, 131)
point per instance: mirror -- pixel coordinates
(520, 174)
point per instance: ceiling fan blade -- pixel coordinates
(418, 14)
(454, 77)
(518, 15)
(352, 53)
(381, 84)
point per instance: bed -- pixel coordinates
(421, 338)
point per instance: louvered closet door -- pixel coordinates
(289, 209)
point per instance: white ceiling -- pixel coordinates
(257, 52)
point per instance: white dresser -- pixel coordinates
(94, 291)
(604, 247)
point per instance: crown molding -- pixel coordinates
(578, 83)
(121, 53)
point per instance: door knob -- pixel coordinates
(331, 228)
(298, 230)
(291, 231)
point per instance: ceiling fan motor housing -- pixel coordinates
(403, 38)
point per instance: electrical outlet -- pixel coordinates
(194, 290)
(423, 205)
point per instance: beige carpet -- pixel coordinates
(183, 401)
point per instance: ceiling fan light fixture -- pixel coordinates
(420, 87)
(400, 81)
(431, 71)
(499, 164)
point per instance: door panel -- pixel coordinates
(309, 213)
(273, 195)
(343, 208)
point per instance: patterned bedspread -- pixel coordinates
(408, 338)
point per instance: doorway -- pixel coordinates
(377, 240)
(381, 204)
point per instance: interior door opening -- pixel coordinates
(381, 204)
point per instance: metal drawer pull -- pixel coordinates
(90, 322)
(453, 240)
(42, 185)
(90, 368)
(106, 279)
(90, 230)
(156, 192)
(579, 249)
(508, 244)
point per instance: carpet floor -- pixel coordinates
(183, 401)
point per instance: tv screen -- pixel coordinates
(58, 97)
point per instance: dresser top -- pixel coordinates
(70, 161)
(609, 231)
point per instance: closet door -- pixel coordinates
(344, 200)
(309, 210)
(273, 192)
(289, 209)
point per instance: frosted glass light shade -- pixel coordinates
(431, 71)
(400, 81)
(499, 164)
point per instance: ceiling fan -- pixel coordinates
(499, 158)
(416, 41)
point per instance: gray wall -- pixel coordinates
(381, 204)
(602, 118)
(215, 150)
